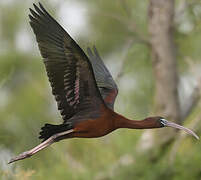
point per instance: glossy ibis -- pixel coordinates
(83, 88)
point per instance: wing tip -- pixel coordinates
(35, 6)
(96, 51)
(89, 52)
(31, 17)
(41, 6)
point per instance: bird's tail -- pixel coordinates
(49, 129)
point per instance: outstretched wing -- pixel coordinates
(69, 71)
(104, 80)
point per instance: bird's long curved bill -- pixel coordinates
(177, 126)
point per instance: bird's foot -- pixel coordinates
(21, 156)
(41, 146)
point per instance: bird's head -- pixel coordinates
(162, 122)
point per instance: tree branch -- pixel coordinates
(194, 98)
(131, 27)
(127, 46)
(126, 7)
(191, 102)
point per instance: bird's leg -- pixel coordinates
(41, 146)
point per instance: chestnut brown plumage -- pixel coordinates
(83, 88)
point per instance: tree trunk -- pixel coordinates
(160, 24)
(166, 100)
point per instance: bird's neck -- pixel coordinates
(122, 122)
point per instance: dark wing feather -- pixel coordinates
(104, 80)
(69, 71)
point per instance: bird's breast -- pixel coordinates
(93, 128)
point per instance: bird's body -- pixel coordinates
(108, 122)
(83, 88)
(91, 128)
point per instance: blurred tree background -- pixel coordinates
(125, 33)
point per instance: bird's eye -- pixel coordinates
(163, 121)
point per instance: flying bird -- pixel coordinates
(82, 86)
